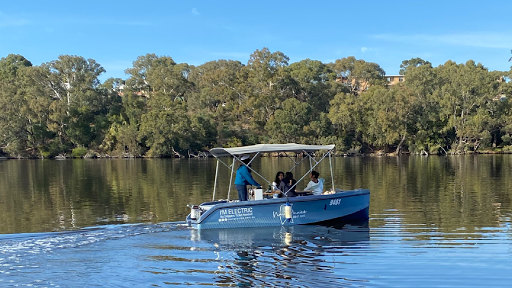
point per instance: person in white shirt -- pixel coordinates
(316, 185)
(279, 178)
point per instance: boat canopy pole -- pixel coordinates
(232, 166)
(332, 175)
(235, 158)
(253, 159)
(231, 177)
(215, 185)
(310, 158)
(311, 169)
(247, 165)
(218, 159)
(296, 163)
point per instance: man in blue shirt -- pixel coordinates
(244, 178)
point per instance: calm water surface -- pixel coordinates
(434, 222)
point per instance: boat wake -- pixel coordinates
(16, 245)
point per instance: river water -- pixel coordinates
(434, 222)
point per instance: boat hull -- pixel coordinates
(347, 205)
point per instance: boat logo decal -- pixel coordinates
(230, 214)
(281, 215)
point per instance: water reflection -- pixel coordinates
(442, 193)
(171, 254)
(281, 255)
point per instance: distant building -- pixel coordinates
(362, 85)
(358, 85)
(138, 93)
(394, 79)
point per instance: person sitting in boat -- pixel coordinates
(316, 185)
(286, 185)
(277, 181)
(244, 178)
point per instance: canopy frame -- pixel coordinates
(237, 157)
(268, 148)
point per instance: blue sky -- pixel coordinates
(114, 33)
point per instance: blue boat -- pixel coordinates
(332, 205)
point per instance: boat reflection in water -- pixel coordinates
(288, 255)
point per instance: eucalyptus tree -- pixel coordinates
(77, 98)
(166, 126)
(218, 94)
(37, 112)
(169, 130)
(169, 78)
(288, 124)
(265, 84)
(123, 134)
(413, 62)
(358, 75)
(348, 115)
(151, 73)
(314, 82)
(390, 116)
(138, 79)
(467, 98)
(14, 132)
(421, 82)
(506, 116)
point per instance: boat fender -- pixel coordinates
(288, 211)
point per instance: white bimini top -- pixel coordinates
(268, 148)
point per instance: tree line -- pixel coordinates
(167, 109)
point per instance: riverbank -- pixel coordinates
(380, 153)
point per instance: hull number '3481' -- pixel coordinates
(335, 202)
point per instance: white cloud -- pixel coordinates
(8, 21)
(195, 12)
(364, 49)
(479, 39)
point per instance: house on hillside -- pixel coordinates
(394, 79)
(361, 85)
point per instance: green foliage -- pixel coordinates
(287, 125)
(358, 75)
(79, 152)
(506, 139)
(414, 62)
(168, 109)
